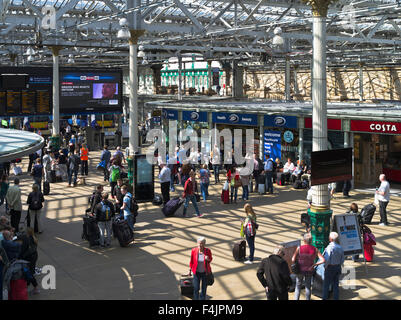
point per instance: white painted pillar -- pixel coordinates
(133, 97)
(287, 79)
(360, 82)
(301, 124)
(320, 197)
(261, 136)
(179, 77)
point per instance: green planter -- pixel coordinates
(130, 162)
(320, 227)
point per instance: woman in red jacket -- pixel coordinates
(200, 267)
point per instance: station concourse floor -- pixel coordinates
(150, 268)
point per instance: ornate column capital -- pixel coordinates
(319, 7)
(135, 35)
(56, 50)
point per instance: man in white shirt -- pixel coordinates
(383, 195)
(288, 169)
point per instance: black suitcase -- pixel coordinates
(122, 232)
(172, 206)
(46, 188)
(367, 213)
(239, 250)
(187, 285)
(91, 231)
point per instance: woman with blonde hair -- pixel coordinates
(248, 229)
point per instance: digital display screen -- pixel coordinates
(82, 91)
(28, 102)
(13, 81)
(43, 101)
(145, 172)
(13, 101)
(2, 102)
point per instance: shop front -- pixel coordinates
(377, 149)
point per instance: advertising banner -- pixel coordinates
(349, 234)
(194, 116)
(235, 118)
(272, 143)
(281, 121)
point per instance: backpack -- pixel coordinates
(36, 203)
(274, 165)
(115, 174)
(250, 228)
(133, 205)
(106, 211)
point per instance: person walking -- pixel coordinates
(249, 227)
(268, 170)
(274, 275)
(73, 167)
(106, 156)
(306, 255)
(62, 164)
(204, 176)
(35, 204)
(13, 198)
(199, 265)
(165, 176)
(334, 258)
(4, 184)
(245, 178)
(346, 188)
(383, 195)
(126, 207)
(115, 174)
(104, 211)
(189, 194)
(84, 155)
(215, 156)
(37, 173)
(47, 161)
(235, 184)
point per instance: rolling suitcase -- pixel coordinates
(46, 188)
(91, 231)
(172, 206)
(187, 285)
(239, 250)
(18, 290)
(122, 232)
(367, 213)
(261, 188)
(225, 196)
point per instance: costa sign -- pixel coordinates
(376, 126)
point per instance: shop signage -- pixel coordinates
(376, 126)
(281, 121)
(272, 144)
(349, 233)
(194, 116)
(170, 114)
(288, 136)
(332, 124)
(235, 118)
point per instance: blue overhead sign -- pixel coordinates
(279, 121)
(170, 114)
(194, 116)
(272, 143)
(235, 118)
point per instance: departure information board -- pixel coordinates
(2, 102)
(28, 102)
(42, 101)
(13, 101)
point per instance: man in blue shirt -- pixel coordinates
(106, 156)
(268, 168)
(126, 207)
(334, 258)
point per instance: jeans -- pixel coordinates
(84, 167)
(106, 174)
(274, 295)
(197, 279)
(172, 177)
(105, 227)
(245, 192)
(383, 211)
(130, 220)
(32, 215)
(269, 181)
(15, 219)
(331, 277)
(70, 174)
(234, 193)
(193, 199)
(346, 187)
(204, 190)
(38, 181)
(308, 285)
(216, 169)
(64, 171)
(251, 245)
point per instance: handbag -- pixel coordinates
(242, 234)
(295, 267)
(226, 186)
(101, 165)
(209, 279)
